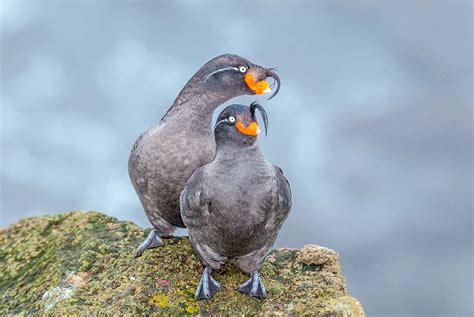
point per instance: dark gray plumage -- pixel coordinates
(165, 156)
(235, 205)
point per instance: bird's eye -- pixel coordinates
(231, 119)
(243, 69)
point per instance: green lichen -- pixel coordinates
(82, 263)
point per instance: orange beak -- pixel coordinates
(252, 129)
(260, 87)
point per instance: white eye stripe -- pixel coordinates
(220, 70)
(230, 119)
(241, 69)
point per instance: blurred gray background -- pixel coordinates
(373, 125)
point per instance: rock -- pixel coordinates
(83, 263)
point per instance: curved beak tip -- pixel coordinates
(267, 90)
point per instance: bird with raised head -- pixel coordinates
(234, 206)
(165, 156)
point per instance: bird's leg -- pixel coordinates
(152, 241)
(254, 286)
(207, 285)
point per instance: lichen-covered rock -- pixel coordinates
(82, 263)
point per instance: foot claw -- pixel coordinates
(152, 241)
(254, 286)
(207, 286)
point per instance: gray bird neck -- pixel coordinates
(194, 106)
(232, 152)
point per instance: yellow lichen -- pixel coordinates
(192, 308)
(161, 300)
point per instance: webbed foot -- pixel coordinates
(207, 286)
(254, 286)
(152, 241)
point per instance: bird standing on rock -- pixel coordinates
(235, 205)
(165, 156)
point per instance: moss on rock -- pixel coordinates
(83, 263)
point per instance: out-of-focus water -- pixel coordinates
(373, 124)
